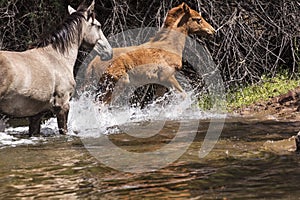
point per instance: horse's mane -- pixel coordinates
(161, 34)
(173, 17)
(65, 34)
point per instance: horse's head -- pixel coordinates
(183, 16)
(91, 31)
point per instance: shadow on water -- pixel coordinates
(245, 163)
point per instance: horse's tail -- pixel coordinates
(5, 77)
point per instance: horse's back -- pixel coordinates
(97, 67)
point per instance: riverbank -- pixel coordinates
(284, 107)
(275, 98)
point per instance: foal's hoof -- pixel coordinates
(183, 95)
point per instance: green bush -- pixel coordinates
(265, 89)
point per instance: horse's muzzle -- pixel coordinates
(106, 55)
(104, 50)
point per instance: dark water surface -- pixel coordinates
(250, 161)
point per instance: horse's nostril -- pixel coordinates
(106, 57)
(211, 31)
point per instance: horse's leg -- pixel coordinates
(119, 88)
(172, 82)
(106, 98)
(2, 123)
(297, 140)
(62, 118)
(35, 124)
(167, 76)
(160, 91)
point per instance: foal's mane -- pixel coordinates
(65, 34)
(160, 35)
(173, 18)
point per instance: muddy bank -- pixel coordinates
(285, 107)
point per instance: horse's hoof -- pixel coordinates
(183, 95)
(62, 131)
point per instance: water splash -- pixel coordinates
(16, 136)
(89, 119)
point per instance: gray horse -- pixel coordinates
(41, 79)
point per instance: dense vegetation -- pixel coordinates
(262, 91)
(254, 37)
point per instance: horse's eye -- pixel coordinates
(97, 25)
(198, 20)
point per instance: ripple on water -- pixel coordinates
(239, 166)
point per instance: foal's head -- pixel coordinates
(91, 30)
(183, 16)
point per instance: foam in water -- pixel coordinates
(88, 119)
(15, 136)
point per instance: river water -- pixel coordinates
(252, 159)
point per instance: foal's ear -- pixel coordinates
(185, 8)
(71, 10)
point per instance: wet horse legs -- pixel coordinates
(62, 119)
(35, 124)
(297, 140)
(172, 82)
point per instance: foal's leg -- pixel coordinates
(119, 88)
(173, 83)
(167, 76)
(160, 91)
(62, 118)
(35, 124)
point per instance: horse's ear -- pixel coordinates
(185, 8)
(91, 11)
(185, 15)
(71, 10)
(91, 8)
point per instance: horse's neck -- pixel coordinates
(170, 39)
(64, 50)
(67, 59)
